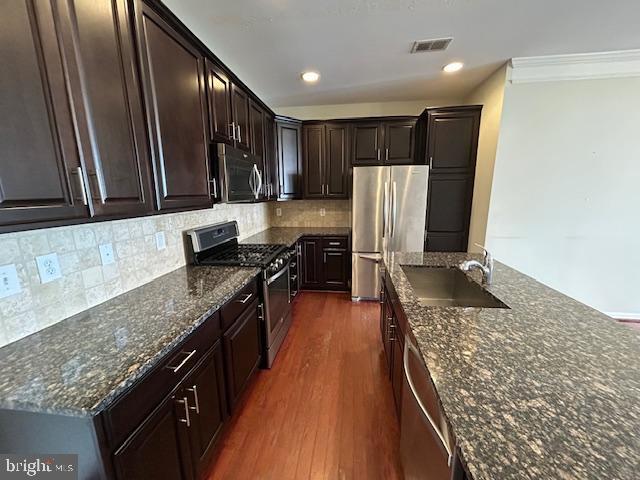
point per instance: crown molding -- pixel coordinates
(581, 66)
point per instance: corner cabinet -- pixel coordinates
(289, 153)
(173, 72)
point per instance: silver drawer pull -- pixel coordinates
(194, 390)
(181, 364)
(334, 244)
(186, 418)
(245, 299)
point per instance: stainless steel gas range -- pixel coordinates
(218, 245)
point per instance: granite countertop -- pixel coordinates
(549, 388)
(80, 365)
(290, 235)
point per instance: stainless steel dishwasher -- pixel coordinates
(425, 444)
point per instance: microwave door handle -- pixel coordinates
(251, 182)
(259, 177)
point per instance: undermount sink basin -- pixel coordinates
(448, 287)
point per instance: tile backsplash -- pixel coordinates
(308, 213)
(137, 253)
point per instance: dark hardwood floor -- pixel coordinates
(325, 410)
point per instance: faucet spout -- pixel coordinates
(486, 267)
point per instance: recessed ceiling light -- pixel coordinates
(310, 76)
(453, 67)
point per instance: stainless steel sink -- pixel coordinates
(448, 287)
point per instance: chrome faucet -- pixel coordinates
(486, 266)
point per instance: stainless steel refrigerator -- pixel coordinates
(388, 210)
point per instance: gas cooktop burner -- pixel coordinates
(243, 255)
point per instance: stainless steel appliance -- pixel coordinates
(389, 207)
(218, 245)
(425, 444)
(240, 178)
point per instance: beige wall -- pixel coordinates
(347, 110)
(490, 94)
(309, 213)
(85, 282)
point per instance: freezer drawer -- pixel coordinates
(365, 276)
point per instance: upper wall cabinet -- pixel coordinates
(270, 158)
(221, 127)
(257, 119)
(174, 82)
(452, 138)
(289, 149)
(326, 160)
(40, 175)
(240, 112)
(99, 50)
(385, 142)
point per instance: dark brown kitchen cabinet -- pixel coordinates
(159, 447)
(205, 392)
(392, 331)
(241, 117)
(325, 263)
(270, 158)
(452, 143)
(219, 102)
(326, 160)
(289, 150)
(40, 175)
(242, 352)
(174, 85)
(110, 121)
(384, 142)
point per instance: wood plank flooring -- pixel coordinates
(325, 410)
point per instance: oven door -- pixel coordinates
(277, 303)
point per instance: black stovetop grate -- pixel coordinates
(259, 255)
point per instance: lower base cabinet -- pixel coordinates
(325, 263)
(392, 331)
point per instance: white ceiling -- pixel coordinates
(361, 47)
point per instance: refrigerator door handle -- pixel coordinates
(394, 209)
(385, 211)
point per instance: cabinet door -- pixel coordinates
(313, 155)
(173, 71)
(449, 212)
(270, 157)
(336, 171)
(219, 99)
(257, 125)
(241, 352)
(399, 140)
(453, 139)
(311, 262)
(205, 392)
(40, 179)
(387, 312)
(103, 79)
(367, 144)
(240, 110)
(289, 147)
(159, 447)
(397, 365)
(335, 273)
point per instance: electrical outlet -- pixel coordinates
(323, 212)
(9, 281)
(48, 267)
(278, 212)
(106, 254)
(161, 241)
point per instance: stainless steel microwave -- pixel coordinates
(240, 176)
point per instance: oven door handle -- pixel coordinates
(272, 279)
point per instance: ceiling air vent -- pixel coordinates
(434, 45)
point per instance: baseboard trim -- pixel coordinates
(624, 316)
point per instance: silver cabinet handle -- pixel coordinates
(239, 134)
(378, 154)
(293, 277)
(182, 363)
(430, 162)
(186, 418)
(83, 188)
(214, 186)
(245, 299)
(335, 244)
(233, 130)
(409, 347)
(386, 154)
(392, 330)
(194, 390)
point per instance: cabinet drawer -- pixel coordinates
(130, 409)
(234, 307)
(335, 242)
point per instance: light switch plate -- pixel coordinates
(278, 212)
(322, 212)
(161, 241)
(48, 267)
(9, 281)
(106, 254)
